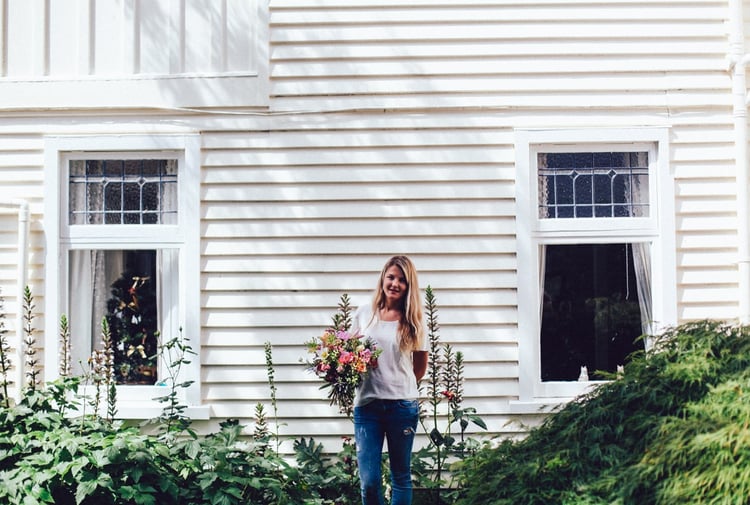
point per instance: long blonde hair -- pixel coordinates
(410, 328)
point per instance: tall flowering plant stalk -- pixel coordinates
(31, 361)
(444, 398)
(5, 363)
(342, 358)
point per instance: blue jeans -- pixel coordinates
(395, 421)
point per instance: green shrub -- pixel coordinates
(673, 429)
(56, 448)
(48, 457)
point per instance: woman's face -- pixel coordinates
(394, 285)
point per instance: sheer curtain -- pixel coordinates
(642, 264)
(637, 195)
(92, 272)
(542, 274)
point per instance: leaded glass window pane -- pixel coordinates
(123, 191)
(593, 184)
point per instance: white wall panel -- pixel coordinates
(80, 53)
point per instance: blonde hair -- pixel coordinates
(410, 328)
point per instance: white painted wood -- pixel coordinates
(20, 55)
(449, 31)
(3, 38)
(384, 127)
(83, 27)
(58, 43)
(155, 27)
(307, 4)
(108, 28)
(377, 14)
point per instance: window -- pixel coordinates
(595, 254)
(124, 241)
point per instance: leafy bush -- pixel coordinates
(53, 452)
(673, 429)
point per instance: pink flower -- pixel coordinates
(346, 357)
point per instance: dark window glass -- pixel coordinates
(590, 314)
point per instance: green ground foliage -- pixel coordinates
(675, 428)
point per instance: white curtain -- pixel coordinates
(642, 264)
(636, 186)
(542, 272)
(92, 273)
(638, 195)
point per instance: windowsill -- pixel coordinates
(558, 394)
(144, 411)
(554, 391)
(135, 410)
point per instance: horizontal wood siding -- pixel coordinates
(611, 54)
(298, 216)
(706, 220)
(21, 182)
(390, 129)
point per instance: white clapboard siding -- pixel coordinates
(20, 181)
(609, 53)
(388, 127)
(310, 207)
(320, 211)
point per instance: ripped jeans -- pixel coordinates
(395, 421)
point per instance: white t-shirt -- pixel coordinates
(394, 378)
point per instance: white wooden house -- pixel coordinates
(296, 144)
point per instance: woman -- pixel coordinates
(386, 403)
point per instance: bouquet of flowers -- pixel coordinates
(342, 359)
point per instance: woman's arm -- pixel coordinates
(419, 361)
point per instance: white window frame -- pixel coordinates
(658, 229)
(181, 291)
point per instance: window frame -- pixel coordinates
(588, 224)
(183, 239)
(658, 229)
